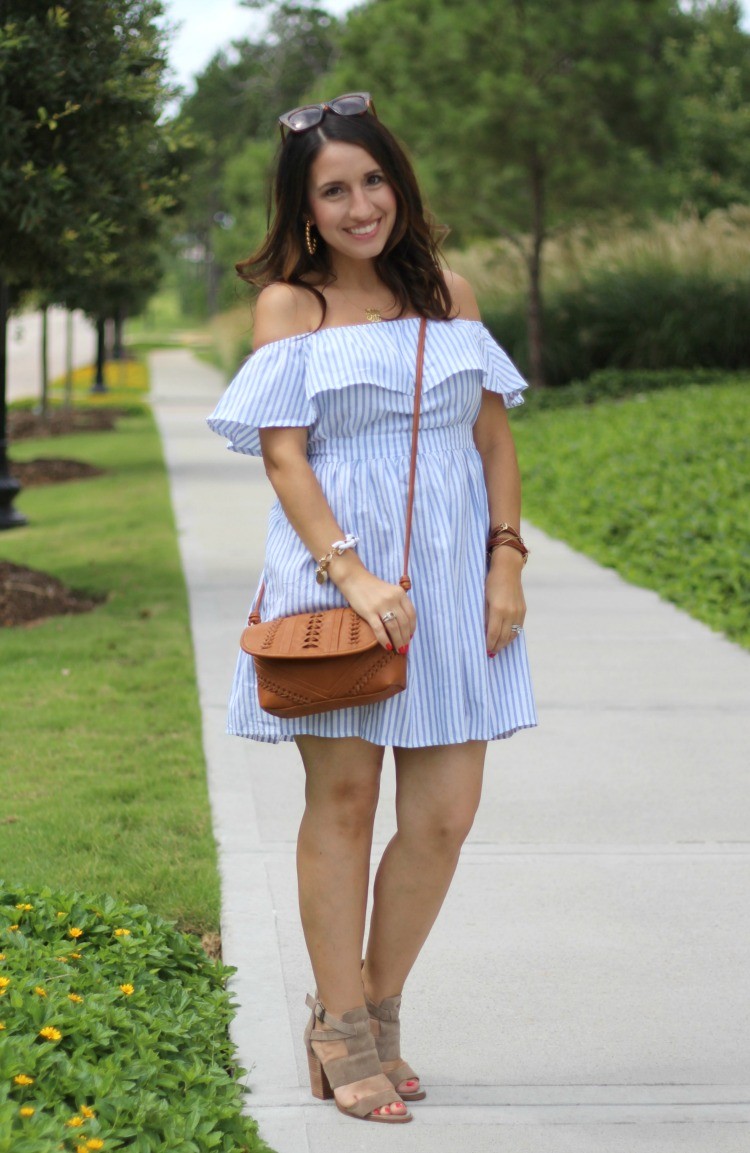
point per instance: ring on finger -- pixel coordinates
(516, 629)
(390, 616)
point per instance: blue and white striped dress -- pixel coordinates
(353, 388)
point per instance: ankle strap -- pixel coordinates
(387, 1010)
(321, 1014)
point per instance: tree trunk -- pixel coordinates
(534, 316)
(44, 407)
(99, 385)
(117, 347)
(68, 359)
(9, 488)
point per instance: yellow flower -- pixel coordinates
(95, 1143)
(4, 982)
(12, 928)
(25, 908)
(40, 991)
(76, 956)
(63, 959)
(122, 932)
(75, 1122)
(76, 933)
(87, 1112)
(74, 997)
(2, 956)
(61, 913)
(50, 1033)
(26, 1111)
(2, 1024)
(22, 1079)
(127, 989)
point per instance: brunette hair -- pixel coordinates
(408, 265)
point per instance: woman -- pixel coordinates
(347, 270)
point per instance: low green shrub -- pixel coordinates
(641, 318)
(655, 486)
(617, 384)
(113, 1032)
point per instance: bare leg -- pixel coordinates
(333, 861)
(438, 791)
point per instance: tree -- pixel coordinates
(83, 153)
(522, 116)
(231, 117)
(710, 62)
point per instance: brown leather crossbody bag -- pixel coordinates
(320, 661)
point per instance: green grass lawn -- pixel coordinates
(655, 486)
(102, 773)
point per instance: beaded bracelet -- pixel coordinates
(337, 549)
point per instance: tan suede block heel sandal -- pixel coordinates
(388, 1044)
(361, 1061)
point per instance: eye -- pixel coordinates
(376, 178)
(334, 190)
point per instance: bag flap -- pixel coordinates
(306, 636)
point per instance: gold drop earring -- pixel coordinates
(311, 243)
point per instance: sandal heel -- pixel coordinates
(320, 1086)
(361, 1061)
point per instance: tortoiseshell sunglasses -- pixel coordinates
(351, 104)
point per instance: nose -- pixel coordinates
(360, 207)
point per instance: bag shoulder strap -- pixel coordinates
(404, 579)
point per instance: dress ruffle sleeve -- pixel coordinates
(501, 374)
(268, 392)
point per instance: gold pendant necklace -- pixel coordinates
(372, 315)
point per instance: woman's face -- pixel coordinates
(351, 204)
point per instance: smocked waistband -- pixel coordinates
(372, 444)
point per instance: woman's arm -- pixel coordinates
(302, 499)
(504, 600)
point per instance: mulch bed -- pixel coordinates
(26, 595)
(24, 423)
(51, 470)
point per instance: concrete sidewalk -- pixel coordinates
(587, 987)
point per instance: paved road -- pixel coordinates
(587, 988)
(25, 343)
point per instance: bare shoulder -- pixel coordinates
(283, 310)
(465, 304)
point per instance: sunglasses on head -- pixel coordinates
(300, 119)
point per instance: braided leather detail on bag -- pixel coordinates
(282, 691)
(269, 637)
(355, 623)
(375, 668)
(312, 632)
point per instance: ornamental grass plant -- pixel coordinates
(672, 294)
(113, 1032)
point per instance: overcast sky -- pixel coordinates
(207, 25)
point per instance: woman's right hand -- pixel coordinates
(372, 599)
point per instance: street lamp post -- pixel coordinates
(9, 488)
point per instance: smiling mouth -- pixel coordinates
(364, 230)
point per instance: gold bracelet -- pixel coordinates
(338, 548)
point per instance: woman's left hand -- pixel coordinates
(505, 604)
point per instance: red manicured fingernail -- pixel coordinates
(403, 650)
(389, 648)
(489, 654)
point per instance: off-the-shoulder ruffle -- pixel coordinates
(267, 392)
(501, 374)
(277, 386)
